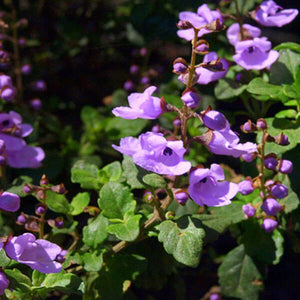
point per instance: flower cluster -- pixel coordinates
(13, 149)
(7, 90)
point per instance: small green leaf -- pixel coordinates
(37, 278)
(95, 232)
(4, 259)
(155, 180)
(227, 88)
(133, 173)
(287, 113)
(92, 261)
(57, 202)
(288, 45)
(18, 279)
(79, 201)
(239, 276)
(115, 200)
(18, 185)
(127, 229)
(86, 174)
(69, 283)
(184, 243)
(260, 87)
(111, 172)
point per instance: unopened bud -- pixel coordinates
(249, 210)
(285, 166)
(181, 197)
(21, 220)
(269, 225)
(59, 189)
(184, 24)
(245, 187)
(44, 180)
(214, 120)
(40, 210)
(191, 99)
(261, 124)
(170, 215)
(271, 207)
(202, 47)
(177, 122)
(27, 189)
(270, 161)
(59, 223)
(279, 191)
(248, 127)
(282, 139)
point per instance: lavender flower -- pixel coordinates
(279, 191)
(285, 166)
(246, 187)
(271, 207)
(142, 105)
(226, 142)
(9, 201)
(203, 16)
(205, 188)
(214, 120)
(205, 76)
(191, 99)
(154, 153)
(269, 225)
(249, 32)
(255, 54)
(4, 282)
(7, 90)
(37, 254)
(271, 14)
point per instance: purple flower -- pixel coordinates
(285, 166)
(246, 187)
(271, 162)
(249, 210)
(9, 201)
(4, 282)
(271, 14)
(142, 105)
(154, 153)
(7, 90)
(205, 188)
(128, 86)
(255, 54)
(26, 69)
(206, 76)
(191, 99)
(36, 103)
(269, 225)
(279, 190)
(249, 32)
(214, 120)
(181, 197)
(271, 207)
(37, 254)
(203, 16)
(39, 85)
(226, 142)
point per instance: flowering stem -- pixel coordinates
(262, 166)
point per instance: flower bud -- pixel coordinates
(143, 51)
(39, 85)
(59, 223)
(145, 80)
(279, 191)
(155, 128)
(22, 42)
(40, 210)
(27, 189)
(285, 166)
(238, 77)
(36, 104)
(214, 120)
(44, 180)
(249, 210)
(191, 99)
(59, 189)
(185, 78)
(245, 187)
(179, 68)
(170, 215)
(248, 127)
(202, 47)
(128, 86)
(177, 122)
(26, 69)
(261, 124)
(8, 93)
(269, 225)
(214, 296)
(134, 69)
(271, 207)
(184, 24)
(61, 256)
(181, 197)
(282, 139)
(248, 157)
(148, 197)
(21, 220)
(270, 162)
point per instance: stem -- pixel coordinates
(262, 166)
(17, 57)
(248, 107)
(239, 19)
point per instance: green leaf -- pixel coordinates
(239, 276)
(57, 202)
(222, 217)
(288, 45)
(37, 278)
(184, 242)
(133, 173)
(95, 232)
(115, 200)
(155, 180)
(111, 172)
(93, 261)
(287, 113)
(68, 283)
(127, 229)
(86, 174)
(66, 229)
(283, 71)
(291, 202)
(4, 259)
(119, 268)
(260, 87)
(134, 36)
(18, 279)
(268, 248)
(18, 185)
(291, 128)
(227, 88)
(117, 128)
(78, 202)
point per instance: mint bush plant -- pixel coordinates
(137, 221)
